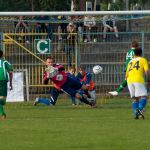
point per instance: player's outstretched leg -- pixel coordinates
(85, 100)
(139, 114)
(85, 89)
(119, 89)
(45, 101)
(136, 110)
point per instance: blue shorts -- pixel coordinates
(71, 86)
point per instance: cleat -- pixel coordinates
(136, 117)
(113, 93)
(3, 117)
(74, 104)
(90, 99)
(92, 104)
(140, 114)
(36, 101)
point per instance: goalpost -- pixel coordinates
(89, 47)
(73, 13)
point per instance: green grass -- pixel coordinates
(109, 127)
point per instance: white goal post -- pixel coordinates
(57, 13)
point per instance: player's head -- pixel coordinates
(72, 70)
(49, 61)
(138, 51)
(82, 70)
(1, 53)
(134, 44)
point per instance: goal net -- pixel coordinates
(73, 39)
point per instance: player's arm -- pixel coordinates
(147, 74)
(88, 78)
(60, 67)
(78, 76)
(45, 79)
(147, 71)
(51, 71)
(10, 73)
(10, 79)
(127, 71)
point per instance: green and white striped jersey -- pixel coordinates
(5, 67)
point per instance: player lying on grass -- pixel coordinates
(129, 56)
(136, 72)
(65, 83)
(55, 91)
(5, 70)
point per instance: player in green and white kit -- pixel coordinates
(5, 70)
(129, 56)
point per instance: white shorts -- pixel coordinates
(137, 90)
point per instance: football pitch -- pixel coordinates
(110, 126)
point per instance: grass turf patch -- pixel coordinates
(110, 126)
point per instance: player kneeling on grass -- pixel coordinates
(5, 67)
(85, 78)
(136, 70)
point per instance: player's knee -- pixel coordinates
(135, 99)
(84, 87)
(78, 96)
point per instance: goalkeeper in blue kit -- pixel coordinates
(129, 57)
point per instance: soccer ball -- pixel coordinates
(97, 69)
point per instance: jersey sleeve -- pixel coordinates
(145, 65)
(127, 70)
(88, 78)
(8, 66)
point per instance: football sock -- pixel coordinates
(142, 103)
(73, 100)
(2, 103)
(44, 101)
(135, 105)
(87, 93)
(1, 110)
(84, 100)
(121, 86)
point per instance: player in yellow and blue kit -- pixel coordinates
(137, 71)
(129, 56)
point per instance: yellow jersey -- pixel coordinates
(136, 70)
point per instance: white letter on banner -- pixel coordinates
(38, 46)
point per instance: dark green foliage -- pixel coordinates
(36, 5)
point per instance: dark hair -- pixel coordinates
(1, 53)
(82, 67)
(72, 68)
(135, 44)
(138, 51)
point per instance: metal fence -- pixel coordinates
(109, 54)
